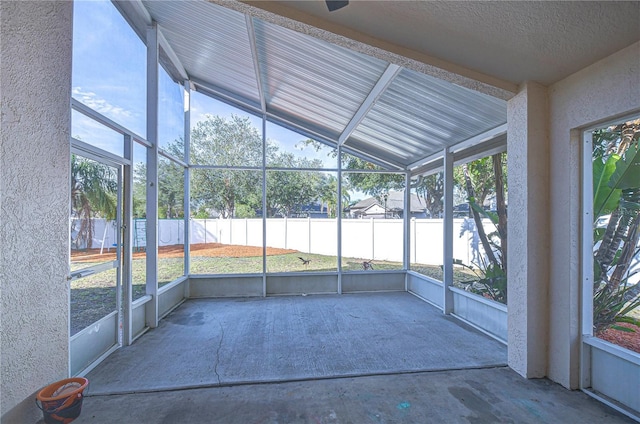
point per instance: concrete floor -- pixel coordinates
(475, 396)
(230, 341)
(377, 357)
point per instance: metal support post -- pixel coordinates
(153, 68)
(447, 304)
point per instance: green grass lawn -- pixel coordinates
(94, 296)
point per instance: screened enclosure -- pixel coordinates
(238, 165)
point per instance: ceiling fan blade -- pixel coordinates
(336, 4)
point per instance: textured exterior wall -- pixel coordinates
(528, 248)
(36, 40)
(602, 91)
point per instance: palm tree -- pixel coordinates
(93, 194)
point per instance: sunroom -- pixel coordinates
(218, 151)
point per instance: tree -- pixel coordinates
(93, 195)
(289, 191)
(431, 189)
(486, 176)
(140, 190)
(329, 195)
(482, 173)
(616, 201)
(170, 189)
(226, 142)
(372, 183)
(224, 190)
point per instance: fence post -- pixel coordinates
(286, 232)
(309, 234)
(373, 239)
(413, 232)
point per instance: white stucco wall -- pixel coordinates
(602, 91)
(36, 40)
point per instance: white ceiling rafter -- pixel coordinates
(491, 147)
(388, 166)
(172, 56)
(417, 166)
(251, 32)
(383, 82)
(225, 96)
(136, 14)
(480, 138)
(485, 144)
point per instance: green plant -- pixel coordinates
(492, 270)
(616, 201)
(491, 281)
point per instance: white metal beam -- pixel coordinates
(447, 260)
(225, 96)
(385, 163)
(127, 243)
(407, 223)
(488, 148)
(172, 56)
(381, 85)
(480, 138)
(495, 140)
(222, 95)
(587, 257)
(425, 161)
(92, 152)
(98, 117)
(172, 158)
(251, 32)
(264, 206)
(187, 183)
(340, 207)
(136, 15)
(153, 68)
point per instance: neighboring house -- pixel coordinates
(390, 207)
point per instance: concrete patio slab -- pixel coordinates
(476, 396)
(209, 342)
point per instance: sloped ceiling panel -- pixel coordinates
(311, 82)
(317, 87)
(419, 115)
(212, 43)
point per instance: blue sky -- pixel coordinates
(109, 75)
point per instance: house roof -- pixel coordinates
(395, 201)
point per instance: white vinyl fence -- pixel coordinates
(377, 239)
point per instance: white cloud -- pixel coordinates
(102, 106)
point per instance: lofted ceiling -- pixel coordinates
(400, 107)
